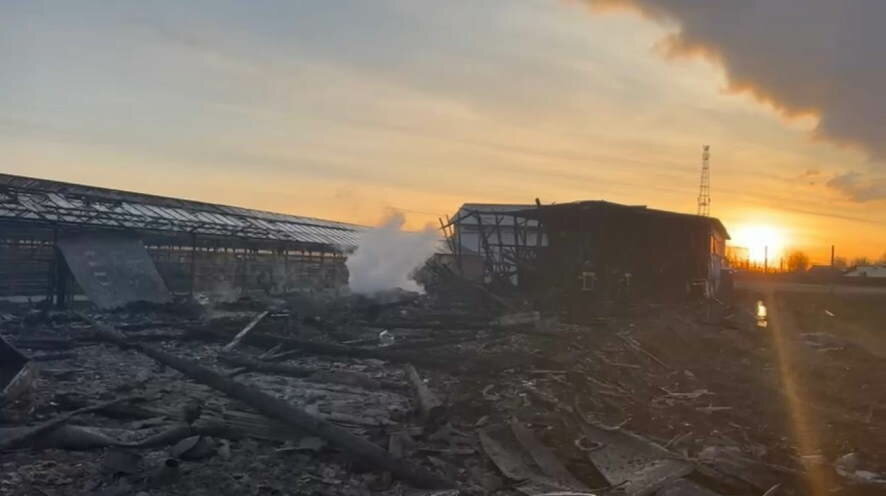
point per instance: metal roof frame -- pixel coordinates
(31, 200)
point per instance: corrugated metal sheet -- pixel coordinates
(25, 198)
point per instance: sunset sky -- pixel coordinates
(349, 109)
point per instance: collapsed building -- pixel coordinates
(58, 240)
(589, 251)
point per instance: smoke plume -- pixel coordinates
(387, 255)
(823, 57)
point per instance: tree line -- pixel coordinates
(798, 261)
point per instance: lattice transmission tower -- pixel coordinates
(704, 189)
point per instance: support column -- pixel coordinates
(61, 280)
(193, 262)
(51, 273)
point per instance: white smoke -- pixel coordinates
(386, 256)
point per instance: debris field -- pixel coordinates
(325, 394)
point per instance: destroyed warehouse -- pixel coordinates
(121, 246)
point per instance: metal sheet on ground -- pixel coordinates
(637, 465)
(545, 458)
(113, 269)
(505, 452)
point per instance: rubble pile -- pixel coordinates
(404, 395)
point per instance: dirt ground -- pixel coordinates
(825, 351)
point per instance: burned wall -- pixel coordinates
(28, 265)
(25, 267)
(605, 252)
(229, 273)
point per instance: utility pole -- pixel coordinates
(832, 256)
(704, 188)
(766, 259)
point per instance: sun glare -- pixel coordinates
(761, 241)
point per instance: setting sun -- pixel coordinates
(761, 241)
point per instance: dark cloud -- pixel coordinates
(802, 56)
(859, 187)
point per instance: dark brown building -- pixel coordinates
(575, 255)
(597, 249)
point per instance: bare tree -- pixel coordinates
(840, 263)
(798, 261)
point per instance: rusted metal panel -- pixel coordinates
(113, 269)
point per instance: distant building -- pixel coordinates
(876, 271)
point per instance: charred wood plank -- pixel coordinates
(249, 327)
(430, 407)
(285, 412)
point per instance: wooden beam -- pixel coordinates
(285, 412)
(242, 334)
(429, 406)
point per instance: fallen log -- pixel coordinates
(18, 438)
(430, 407)
(242, 334)
(284, 412)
